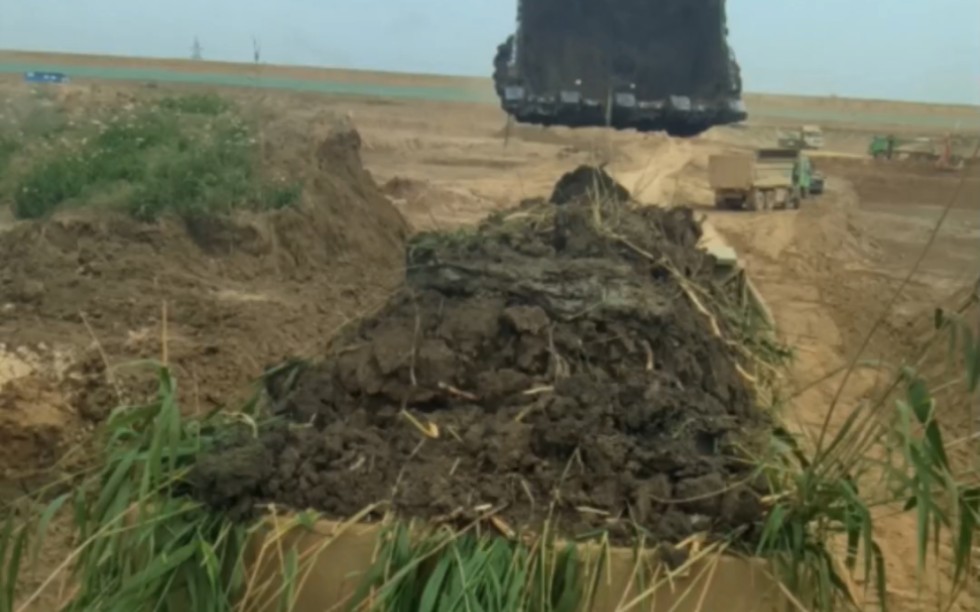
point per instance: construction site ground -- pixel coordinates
(827, 271)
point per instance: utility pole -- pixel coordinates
(197, 52)
(256, 50)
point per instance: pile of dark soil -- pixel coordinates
(587, 182)
(548, 364)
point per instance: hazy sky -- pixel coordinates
(903, 49)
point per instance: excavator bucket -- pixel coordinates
(661, 65)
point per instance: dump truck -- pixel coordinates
(662, 65)
(806, 137)
(920, 149)
(775, 178)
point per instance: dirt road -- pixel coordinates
(828, 273)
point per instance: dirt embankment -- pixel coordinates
(545, 365)
(898, 183)
(232, 296)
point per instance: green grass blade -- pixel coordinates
(881, 579)
(161, 566)
(971, 357)
(969, 517)
(569, 594)
(110, 490)
(7, 588)
(16, 552)
(434, 585)
(919, 398)
(290, 571)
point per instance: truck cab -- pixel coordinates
(812, 137)
(802, 176)
(806, 137)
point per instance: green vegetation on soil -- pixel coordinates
(190, 156)
(141, 545)
(8, 147)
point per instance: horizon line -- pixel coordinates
(449, 76)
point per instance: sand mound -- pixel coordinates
(240, 292)
(549, 356)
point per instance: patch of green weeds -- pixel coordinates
(186, 156)
(23, 119)
(8, 148)
(277, 196)
(49, 184)
(41, 118)
(199, 104)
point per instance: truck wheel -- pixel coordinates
(776, 200)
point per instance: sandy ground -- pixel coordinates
(827, 270)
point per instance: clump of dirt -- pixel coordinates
(32, 426)
(548, 364)
(402, 188)
(587, 181)
(221, 298)
(37, 426)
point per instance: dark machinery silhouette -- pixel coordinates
(651, 65)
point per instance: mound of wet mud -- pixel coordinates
(549, 364)
(586, 182)
(238, 292)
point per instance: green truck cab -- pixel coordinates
(806, 179)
